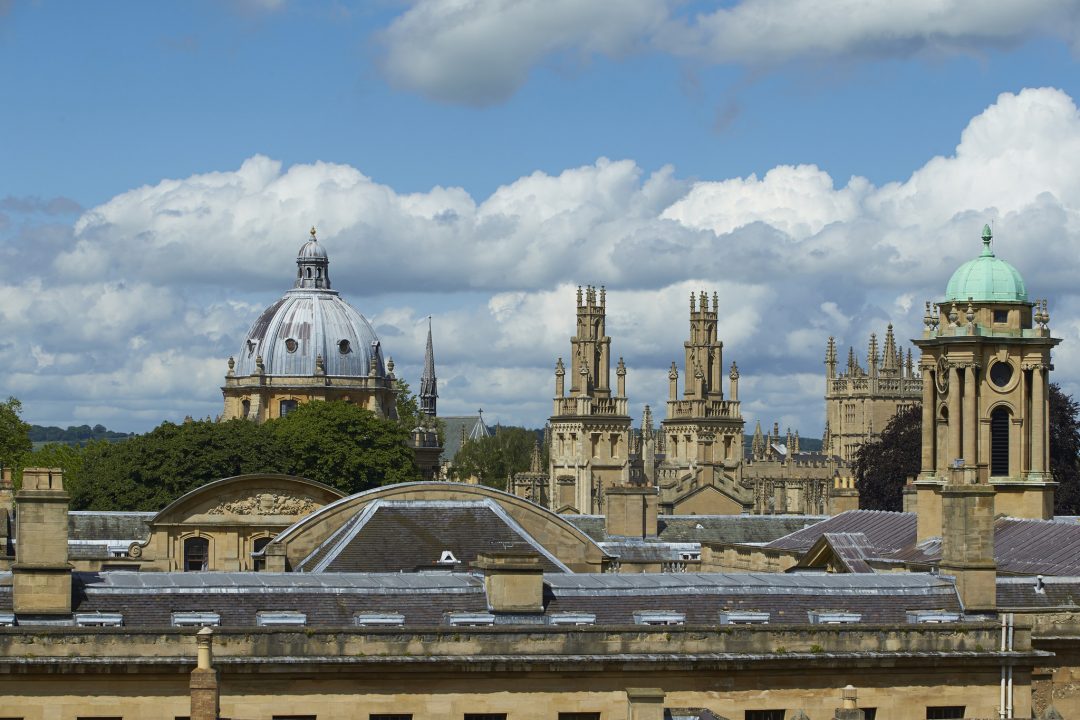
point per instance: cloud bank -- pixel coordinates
(126, 314)
(479, 52)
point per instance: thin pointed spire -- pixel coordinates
(429, 390)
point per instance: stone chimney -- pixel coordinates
(41, 574)
(849, 705)
(203, 685)
(967, 543)
(513, 581)
(631, 511)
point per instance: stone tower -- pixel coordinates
(703, 432)
(859, 402)
(985, 401)
(590, 427)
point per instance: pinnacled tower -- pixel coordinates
(590, 427)
(703, 432)
(860, 401)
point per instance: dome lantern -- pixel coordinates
(312, 265)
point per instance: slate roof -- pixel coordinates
(708, 528)
(396, 536)
(452, 427)
(333, 599)
(105, 526)
(852, 549)
(1028, 592)
(885, 531)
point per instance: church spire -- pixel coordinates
(428, 387)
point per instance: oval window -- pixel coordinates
(291, 345)
(343, 347)
(1001, 373)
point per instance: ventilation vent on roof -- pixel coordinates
(818, 617)
(572, 618)
(659, 617)
(274, 618)
(470, 618)
(379, 619)
(196, 619)
(99, 619)
(740, 617)
(447, 558)
(1040, 586)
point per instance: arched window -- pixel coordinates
(308, 272)
(286, 407)
(245, 407)
(196, 554)
(999, 442)
(259, 562)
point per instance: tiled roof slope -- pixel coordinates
(885, 531)
(104, 526)
(404, 536)
(1029, 593)
(709, 528)
(332, 599)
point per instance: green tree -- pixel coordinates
(149, 471)
(14, 434)
(882, 466)
(493, 459)
(68, 458)
(345, 446)
(1065, 451)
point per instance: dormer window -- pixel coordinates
(819, 617)
(1001, 317)
(343, 347)
(291, 345)
(659, 617)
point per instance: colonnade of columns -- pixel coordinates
(962, 406)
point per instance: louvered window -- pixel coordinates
(999, 442)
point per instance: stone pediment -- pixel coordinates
(249, 496)
(265, 503)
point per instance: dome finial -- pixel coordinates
(987, 236)
(313, 232)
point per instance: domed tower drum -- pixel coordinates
(309, 345)
(985, 362)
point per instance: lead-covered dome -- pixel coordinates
(987, 278)
(311, 330)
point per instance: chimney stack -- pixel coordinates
(41, 574)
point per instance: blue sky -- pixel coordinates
(407, 106)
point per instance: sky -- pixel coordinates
(823, 165)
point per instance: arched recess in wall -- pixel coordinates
(999, 441)
(196, 553)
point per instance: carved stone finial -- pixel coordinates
(320, 365)
(673, 373)
(260, 368)
(560, 369)
(734, 374)
(954, 315)
(620, 369)
(390, 364)
(969, 315)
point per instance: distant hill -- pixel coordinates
(73, 434)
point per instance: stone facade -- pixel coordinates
(590, 426)
(859, 402)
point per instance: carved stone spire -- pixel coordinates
(429, 391)
(757, 446)
(830, 359)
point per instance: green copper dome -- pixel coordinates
(986, 278)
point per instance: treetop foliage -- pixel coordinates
(493, 459)
(14, 433)
(336, 443)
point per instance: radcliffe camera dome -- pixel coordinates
(987, 278)
(309, 325)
